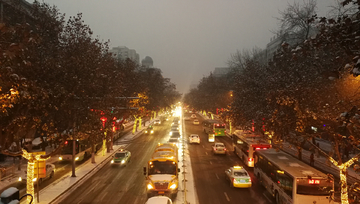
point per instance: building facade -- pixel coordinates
(123, 53)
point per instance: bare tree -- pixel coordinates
(339, 10)
(294, 20)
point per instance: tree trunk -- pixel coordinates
(343, 185)
(92, 153)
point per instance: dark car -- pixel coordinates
(149, 130)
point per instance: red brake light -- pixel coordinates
(264, 148)
(251, 159)
(224, 149)
(257, 147)
(66, 142)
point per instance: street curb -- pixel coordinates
(61, 197)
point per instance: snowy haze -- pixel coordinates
(186, 39)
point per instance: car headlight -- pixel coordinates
(60, 158)
(77, 158)
(173, 186)
(122, 161)
(170, 133)
(149, 186)
(152, 131)
(112, 161)
(34, 179)
(145, 131)
(20, 179)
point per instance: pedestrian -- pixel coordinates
(312, 159)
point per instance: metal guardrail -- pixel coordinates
(6, 172)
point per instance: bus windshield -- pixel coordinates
(166, 167)
(313, 186)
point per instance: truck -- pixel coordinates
(162, 171)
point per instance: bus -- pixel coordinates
(290, 180)
(82, 150)
(162, 171)
(245, 145)
(214, 128)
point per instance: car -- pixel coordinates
(187, 118)
(196, 122)
(175, 122)
(219, 148)
(175, 140)
(175, 126)
(194, 138)
(157, 122)
(159, 200)
(121, 157)
(149, 130)
(50, 171)
(193, 116)
(238, 177)
(175, 133)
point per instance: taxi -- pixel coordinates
(238, 177)
(149, 130)
(121, 157)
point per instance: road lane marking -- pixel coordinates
(206, 153)
(210, 162)
(217, 176)
(227, 197)
(267, 198)
(203, 146)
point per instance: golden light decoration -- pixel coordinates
(32, 158)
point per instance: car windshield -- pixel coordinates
(173, 140)
(240, 173)
(120, 154)
(219, 145)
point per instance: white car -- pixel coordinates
(196, 122)
(157, 122)
(193, 116)
(219, 148)
(159, 200)
(194, 138)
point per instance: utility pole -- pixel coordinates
(73, 153)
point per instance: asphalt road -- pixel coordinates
(209, 172)
(115, 184)
(127, 184)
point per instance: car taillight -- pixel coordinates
(249, 179)
(215, 149)
(224, 149)
(251, 159)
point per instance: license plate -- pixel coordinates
(161, 192)
(242, 181)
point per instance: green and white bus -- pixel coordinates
(214, 128)
(290, 180)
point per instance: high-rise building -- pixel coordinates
(123, 53)
(147, 62)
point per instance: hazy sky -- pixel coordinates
(186, 39)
